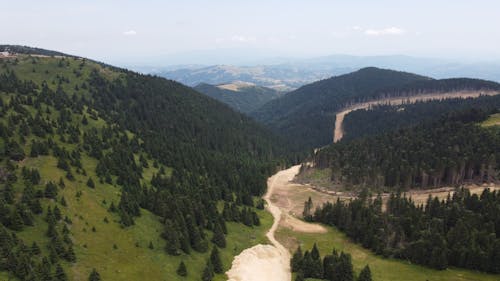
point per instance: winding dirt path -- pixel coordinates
(265, 262)
(272, 262)
(338, 132)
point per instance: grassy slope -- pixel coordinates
(382, 269)
(493, 120)
(131, 259)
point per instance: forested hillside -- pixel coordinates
(380, 119)
(244, 99)
(461, 231)
(88, 151)
(307, 115)
(451, 151)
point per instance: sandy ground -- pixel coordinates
(262, 262)
(338, 132)
(272, 262)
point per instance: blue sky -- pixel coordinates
(134, 31)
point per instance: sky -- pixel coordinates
(189, 31)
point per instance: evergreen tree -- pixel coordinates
(90, 183)
(181, 269)
(170, 234)
(94, 275)
(216, 261)
(345, 269)
(218, 238)
(365, 274)
(296, 261)
(208, 272)
(307, 213)
(300, 276)
(60, 275)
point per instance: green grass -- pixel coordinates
(131, 259)
(382, 269)
(493, 120)
(128, 261)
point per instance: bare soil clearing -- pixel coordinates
(262, 261)
(338, 132)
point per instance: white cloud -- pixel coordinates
(385, 31)
(243, 39)
(130, 33)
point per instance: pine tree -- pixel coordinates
(307, 213)
(345, 269)
(216, 261)
(300, 276)
(315, 252)
(63, 202)
(16, 221)
(182, 270)
(208, 272)
(70, 254)
(35, 249)
(94, 275)
(296, 261)
(60, 275)
(90, 183)
(50, 190)
(170, 234)
(218, 238)
(365, 274)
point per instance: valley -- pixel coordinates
(285, 201)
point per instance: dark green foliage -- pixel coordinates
(208, 271)
(365, 274)
(333, 267)
(451, 151)
(458, 231)
(90, 183)
(308, 113)
(216, 261)
(94, 275)
(308, 208)
(296, 261)
(182, 270)
(50, 190)
(384, 118)
(218, 238)
(299, 277)
(205, 153)
(59, 274)
(246, 99)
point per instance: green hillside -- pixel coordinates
(387, 118)
(244, 99)
(106, 169)
(451, 151)
(307, 115)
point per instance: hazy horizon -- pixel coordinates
(193, 31)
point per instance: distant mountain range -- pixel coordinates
(290, 74)
(242, 96)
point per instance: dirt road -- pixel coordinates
(338, 132)
(263, 262)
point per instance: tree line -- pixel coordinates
(332, 267)
(451, 151)
(462, 230)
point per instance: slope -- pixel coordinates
(244, 98)
(307, 115)
(109, 169)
